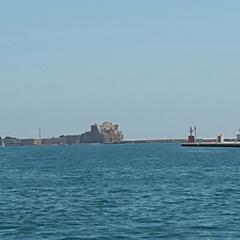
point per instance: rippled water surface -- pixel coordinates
(148, 191)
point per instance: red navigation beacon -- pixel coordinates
(191, 137)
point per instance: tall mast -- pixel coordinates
(40, 133)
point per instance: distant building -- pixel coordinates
(62, 140)
(30, 142)
(104, 133)
(72, 139)
(11, 141)
(27, 142)
(50, 141)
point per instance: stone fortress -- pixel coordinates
(106, 133)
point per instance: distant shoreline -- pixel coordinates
(38, 142)
(174, 140)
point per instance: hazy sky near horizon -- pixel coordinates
(155, 67)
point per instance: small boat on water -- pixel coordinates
(3, 143)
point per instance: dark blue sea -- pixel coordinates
(143, 191)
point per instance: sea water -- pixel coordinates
(142, 191)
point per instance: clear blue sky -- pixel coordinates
(155, 67)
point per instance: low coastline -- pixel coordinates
(212, 144)
(229, 142)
